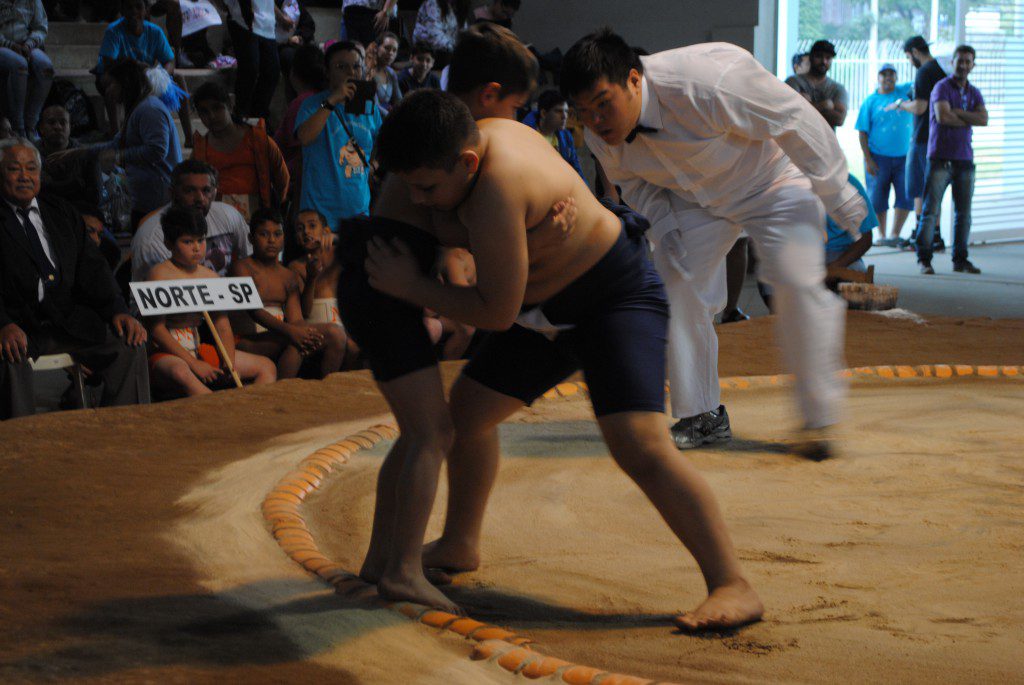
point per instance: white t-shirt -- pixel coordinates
(227, 236)
(263, 22)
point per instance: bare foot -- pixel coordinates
(416, 590)
(450, 557)
(371, 572)
(727, 607)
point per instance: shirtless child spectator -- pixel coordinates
(281, 331)
(179, 362)
(591, 301)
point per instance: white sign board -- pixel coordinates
(197, 15)
(195, 295)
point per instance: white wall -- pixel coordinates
(652, 24)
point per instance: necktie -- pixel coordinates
(639, 128)
(47, 270)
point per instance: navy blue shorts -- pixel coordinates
(620, 316)
(390, 332)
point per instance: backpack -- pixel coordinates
(72, 98)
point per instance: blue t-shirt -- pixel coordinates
(889, 133)
(335, 182)
(151, 48)
(838, 239)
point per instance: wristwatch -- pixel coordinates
(326, 104)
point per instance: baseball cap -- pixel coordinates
(886, 67)
(823, 46)
(916, 42)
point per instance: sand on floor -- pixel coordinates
(131, 551)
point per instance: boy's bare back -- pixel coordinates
(521, 177)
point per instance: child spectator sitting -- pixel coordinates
(841, 250)
(281, 333)
(418, 74)
(179, 362)
(251, 170)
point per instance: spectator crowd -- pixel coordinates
(266, 192)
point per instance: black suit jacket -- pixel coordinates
(84, 300)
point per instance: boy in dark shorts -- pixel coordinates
(591, 301)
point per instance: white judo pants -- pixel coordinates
(786, 222)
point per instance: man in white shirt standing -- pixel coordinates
(703, 141)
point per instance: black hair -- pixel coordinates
(428, 128)
(965, 49)
(130, 75)
(319, 215)
(486, 53)
(421, 47)
(514, 4)
(548, 99)
(126, 3)
(193, 166)
(602, 54)
(308, 66)
(341, 46)
(262, 216)
(180, 221)
(798, 57)
(387, 34)
(211, 90)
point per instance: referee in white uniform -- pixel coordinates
(704, 141)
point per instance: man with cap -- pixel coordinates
(929, 72)
(827, 96)
(885, 139)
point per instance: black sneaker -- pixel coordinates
(711, 426)
(927, 269)
(966, 267)
(938, 245)
(734, 315)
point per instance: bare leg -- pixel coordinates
(900, 218)
(255, 368)
(472, 470)
(276, 347)
(406, 489)
(883, 219)
(173, 374)
(642, 447)
(333, 352)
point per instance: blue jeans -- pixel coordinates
(891, 171)
(26, 85)
(917, 161)
(942, 172)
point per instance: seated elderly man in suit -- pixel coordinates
(57, 293)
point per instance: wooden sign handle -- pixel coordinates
(220, 349)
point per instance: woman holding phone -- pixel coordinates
(336, 128)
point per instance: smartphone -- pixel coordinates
(365, 90)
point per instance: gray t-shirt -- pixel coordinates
(227, 237)
(826, 90)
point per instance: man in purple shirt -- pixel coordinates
(956, 107)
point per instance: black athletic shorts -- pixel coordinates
(389, 331)
(620, 316)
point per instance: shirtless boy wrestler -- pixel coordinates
(281, 331)
(179, 361)
(591, 301)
